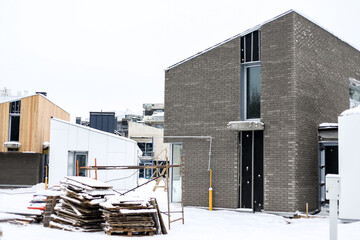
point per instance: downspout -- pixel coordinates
(209, 163)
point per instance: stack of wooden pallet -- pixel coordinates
(78, 209)
(126, 216)
(50, 203)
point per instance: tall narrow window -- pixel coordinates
(176, 172)
(252, 83)
(14, 121)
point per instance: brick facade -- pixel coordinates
(305, 74)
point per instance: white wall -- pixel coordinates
(349, 166)
(108, 149)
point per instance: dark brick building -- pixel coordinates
(260, 95)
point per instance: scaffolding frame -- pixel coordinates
(167, 166)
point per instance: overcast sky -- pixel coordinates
(108, 55)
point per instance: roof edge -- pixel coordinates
(229, 39)
(92, 130)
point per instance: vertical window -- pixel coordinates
(176, 154)
(252, 92)
(250, 78)
(14, 121)
(354, 93)
(250, 47)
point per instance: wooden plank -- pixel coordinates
(89, 182)
(127, 167)
(162, 224)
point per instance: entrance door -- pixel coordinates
(251, 170)
(75, 160)
(329, 163)
(81, 161)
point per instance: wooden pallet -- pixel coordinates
(132, 232)
(51, 201)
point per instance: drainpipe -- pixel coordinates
(209, 163)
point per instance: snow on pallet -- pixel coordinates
(131, 217)
(78, 208)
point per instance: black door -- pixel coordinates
(331, 160)
(252, 180)
(246, 169)
(258, 171)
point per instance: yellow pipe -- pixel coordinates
(210, 192)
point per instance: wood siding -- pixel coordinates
(4, 125)
(35, 114)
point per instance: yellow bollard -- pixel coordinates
(210, 192)
(46, 177)
(210, 199)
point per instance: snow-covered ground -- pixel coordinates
(199, 223)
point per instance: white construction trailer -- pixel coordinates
(73, 146)
(349, 164)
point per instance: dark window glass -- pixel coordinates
(15, 107)
(248, 48)
(15, 126)
(253, 92)
(256, 46)
(146, 148)
(81, 160)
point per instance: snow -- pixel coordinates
(351, 111)
(199, 222)
(328, 125)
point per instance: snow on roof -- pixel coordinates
(328, 125)
(251, 30)
(351, 111)
(94, 130)
(17, 98)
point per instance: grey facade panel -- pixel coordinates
(305, 74)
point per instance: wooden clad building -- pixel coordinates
(27, 121)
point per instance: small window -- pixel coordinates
(354, 92)
(15, 107)
(14, 121)
(146, 148)
(250, 47)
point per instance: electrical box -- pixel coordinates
(332, 186)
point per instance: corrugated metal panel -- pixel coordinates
(104, 121)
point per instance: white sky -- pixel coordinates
(94, 55)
